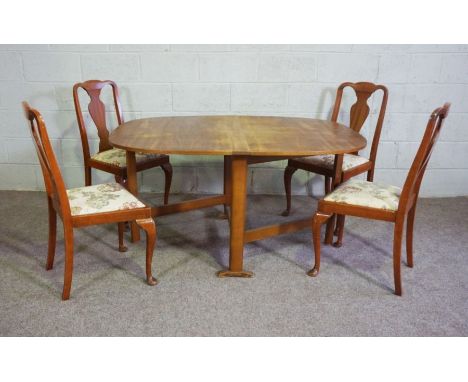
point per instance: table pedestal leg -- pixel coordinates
(237, 226)
(133, 188)
(227, 185)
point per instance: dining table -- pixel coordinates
(241, 140)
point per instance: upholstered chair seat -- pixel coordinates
(327, 161)
(366, 194)
(100, 198)
(117, 157)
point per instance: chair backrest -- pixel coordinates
(415, 175)
(360, 110)
(97, 111)
(53, 180)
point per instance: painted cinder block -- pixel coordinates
(270, 181)
(381, 48)
(446, 155)
(61, 124)
(313, 98)
(228, 67)
(169, 67)
(39, 96)
(22, 150)
(13, 124)
(400, 127)
(258, 97)
(73, 176)
(201, 48)
(115, 66)
(259, 47)
(455, 128)
(347, 67)
(184, 180)
(454, 69)
(284, 80)
(72, 151)
(49, 67)
(425, 98)
(338, 48)
(139, 47)
(210, 180)
(146, 97)
(10, 68)
(275, 67)
(3, 152)
(394, 68)
(81, 48)
(425, 68)
(201, 97)
(436, 182)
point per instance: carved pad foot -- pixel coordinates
(228, 273)
(285, 213)
(313, 272)
(337, 245)
(123, 248)
(152, 281)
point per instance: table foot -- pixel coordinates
(228, 273)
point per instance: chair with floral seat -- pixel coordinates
(108, 158)
(84, 206)
(377, 201)
(353, 164)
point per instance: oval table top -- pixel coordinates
(236, 135)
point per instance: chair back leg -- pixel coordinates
(88, 179)
(288, 173)
(52, 235)
(397, 240)
(68, 273)
(340, 221)
(167, 168)
(121, 229)
(317, 221)
(409, 236)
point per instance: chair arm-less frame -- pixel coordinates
(84, 206)
(374, 201)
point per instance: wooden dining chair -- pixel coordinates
(109, 159)
(376, 201)
(84, 206)
(353, 164)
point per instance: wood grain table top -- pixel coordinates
(236, 135)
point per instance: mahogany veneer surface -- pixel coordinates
(236, 135)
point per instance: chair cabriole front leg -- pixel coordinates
(149, 227)
(317, 221)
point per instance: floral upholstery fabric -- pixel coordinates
(327, 161)
(101, 198)
(117, 157)
(366, 194)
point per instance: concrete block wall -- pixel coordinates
(289, 80)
